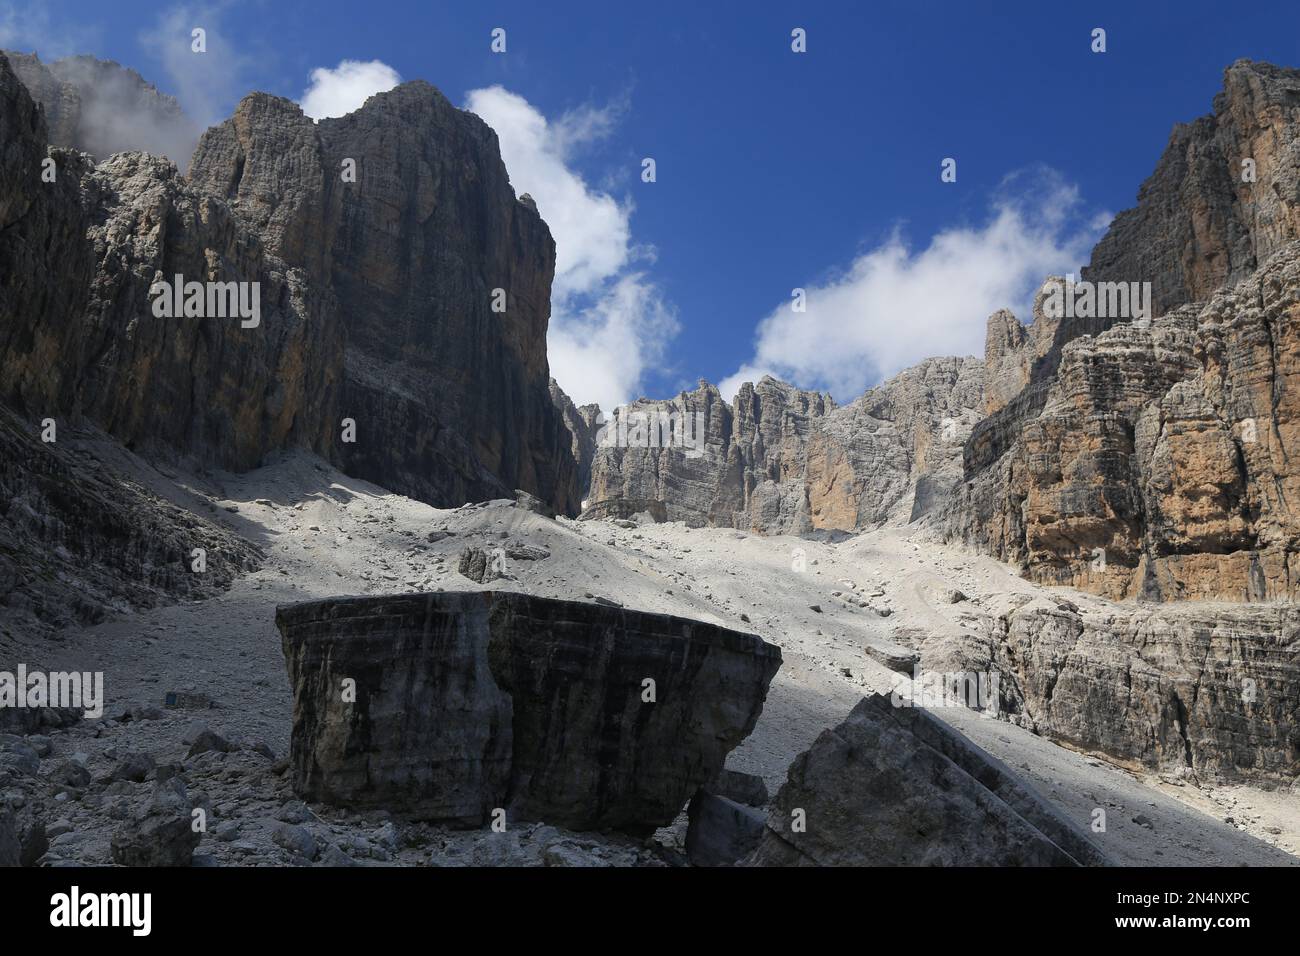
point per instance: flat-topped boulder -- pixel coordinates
(449, 706)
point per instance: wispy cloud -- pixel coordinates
(896, 305)
(609, 321)
(210, 83)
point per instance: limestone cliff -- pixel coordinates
(1199, 690)
(782, 460)
(404, 211)
(374, 322)
(1223, 198)
(1152, 459)
(378, 344)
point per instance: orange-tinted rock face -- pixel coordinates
(1160, 465)
(1223, 198)
(1153, 458)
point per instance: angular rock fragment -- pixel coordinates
(894, 786)
(17, 756)
(161, 833)
(570, 713)
(721, 831)
(894, 656)
(530, 502)
(746, 788)
(296, 839)
(134, 767)
(527, 552)
(209, 741)
(23, 836)
(478, 565)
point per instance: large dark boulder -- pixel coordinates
(580, 715)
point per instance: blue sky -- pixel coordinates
(775, 170)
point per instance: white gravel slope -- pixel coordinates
(328, 535)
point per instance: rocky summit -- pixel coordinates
(268, 200)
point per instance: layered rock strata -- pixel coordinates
(404, 211)
(579, 715)
(1203, 690)
(403, 296)
(782, 460)
(1150, 458)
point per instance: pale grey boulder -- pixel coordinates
(479, 566)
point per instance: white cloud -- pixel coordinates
(598, 354)
(609, 322)
(730, 385)
(208, 84)
(345, 88)
(895, 306)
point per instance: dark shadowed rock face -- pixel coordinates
(894, 786)
(582, 426)
(45, 262)
(466, 702)
(451, 398)
(78, 336)
(79, 541)
(376, 296)
(374, 306)
(721, 831)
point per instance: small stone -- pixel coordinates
(295, 811)
(297, 840)
(209, 741)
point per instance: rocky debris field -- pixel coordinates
(842, 612)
